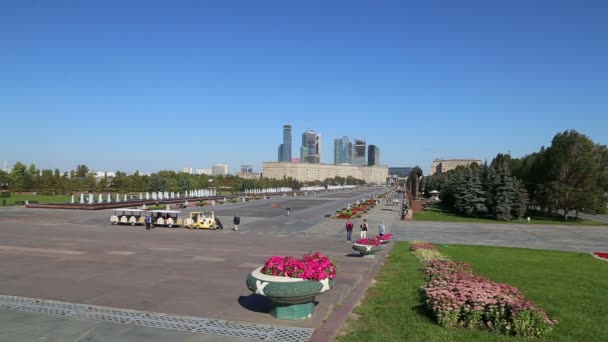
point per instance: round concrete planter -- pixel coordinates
(384, 242)
(291, 298)
(366, 251)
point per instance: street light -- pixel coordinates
(4, 187)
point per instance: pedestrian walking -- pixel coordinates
(148, 221)
(364, 227)
(349, 230)
(381, 229)
(236, 220)
(288, 210)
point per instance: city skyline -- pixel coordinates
(431, 80)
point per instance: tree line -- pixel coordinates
(23, 178)
(569, 175)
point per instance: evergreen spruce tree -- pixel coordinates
(521, 200)
(504, 195)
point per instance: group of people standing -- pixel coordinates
(364, 226)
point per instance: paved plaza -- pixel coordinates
(197, 277)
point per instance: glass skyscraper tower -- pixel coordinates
(285, 147)
(343, 150)
(310, 152)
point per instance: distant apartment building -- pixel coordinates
(373, 155)
(188, 170)
(208, 172)
(359, 149)
(445, 165)
(306, 172)
(310, 152)
(343, 150)
(284, 154)
(220, 169)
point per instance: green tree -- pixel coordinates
(81, 171)
(19, 177)
(573, 172)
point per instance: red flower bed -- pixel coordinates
(368, 242)
(601, 255)
(314, 266)
(384, 237)
(457, 297)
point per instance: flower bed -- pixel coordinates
(601, 255)
(417, 246)
(385, 237)
(368, 242)
(315, 266)
(459, 298)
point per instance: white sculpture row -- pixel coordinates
(267, 190)
(160, 195)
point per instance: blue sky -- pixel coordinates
(155, 85)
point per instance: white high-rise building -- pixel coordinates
(220, 169)
(188, 170)
(204, 172)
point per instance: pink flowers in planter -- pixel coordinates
(459, 298)
(385, 237)
(312, 266)
(600, 255)
(368, 242)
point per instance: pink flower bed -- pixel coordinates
(457, 297)
(600, 255)
(384, 237)
(368, 242)
(312, 266)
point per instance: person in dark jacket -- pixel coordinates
(236, 220)
(218, 223)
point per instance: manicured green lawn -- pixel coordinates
(436, 214)
(571, 287)
(40, 198)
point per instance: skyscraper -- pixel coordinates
(310, 152)
(284, 154)
(342, 150)
(373, 155)
(359, 152)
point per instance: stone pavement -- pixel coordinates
(79, 258)
(558, 237)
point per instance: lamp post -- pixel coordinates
(4, 188)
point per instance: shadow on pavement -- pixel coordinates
(353, 255)
(255, 303)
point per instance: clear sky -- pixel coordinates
(149, 85)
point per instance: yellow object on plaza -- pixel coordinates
(198, 220)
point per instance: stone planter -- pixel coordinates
(291, 298)
(384, 242)
(366, 251)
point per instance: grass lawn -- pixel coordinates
(571, 287)
(40, 198)
(437, 214)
